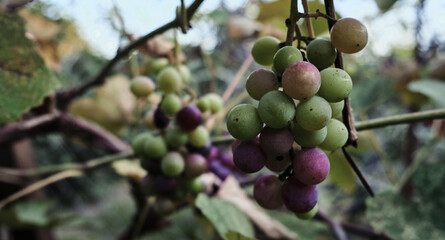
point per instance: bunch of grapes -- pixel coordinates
(300, 100)
(174, 148)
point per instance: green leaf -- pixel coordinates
(400, 218)
(341, 173)
(432, 88)
(24, 78)
(224, 216)
(231, 235)
(22, 214)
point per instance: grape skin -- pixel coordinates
(249, 157)
(311, 166)
(301, 80)
(298, 197)
(267, 192)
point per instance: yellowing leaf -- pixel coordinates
(341, 173)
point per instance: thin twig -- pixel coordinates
(291, 22)
(358, 172)
(310, 30)
(338, 230)
(315, 15)
(141, 220)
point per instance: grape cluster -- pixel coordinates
(300, 102)
(175, 147)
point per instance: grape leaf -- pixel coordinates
(432, 88)
(24, 78)
(31, 213)
(225, 216)
(231, 235)
(341, 173)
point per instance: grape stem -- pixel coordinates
(308, 21)
(358, 172)
(291, 22)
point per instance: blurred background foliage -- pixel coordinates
(402, 163)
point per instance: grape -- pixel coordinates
(276, 109)
(308, 215)
(199, 137)
(204, 151)
(311, 166)
(163, 206)
(243, 122)
(184, 71)
(158, 64)
(171, 104)
(189, 118)
(149, 120)
(165, 185)
(336, 137)
(138, 143)
(215, 102)
(172, 164)
(298, 197)
(264, 49)
(142, 86)
(260, 82)
(336, 84)
(175, 138)
(161, 120)
(349, 35)
(277, 163)
(301, 80)
(169, 80)
(321, 53)
(337, 108)
(194, 185)
(248, 157)
(226, 158)
(285, 57)
(203, 104)
(153, 166)
(307, 138)
(195, 165)
(214, 153)
(155, 147)
(267, 192)
(148, 185)
(313, 114)
(219, 169)
(276, 141)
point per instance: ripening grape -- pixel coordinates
(215, 102)
(184, 71)
(175, 138)
(153, 166)
(298, 197)
(249, 157)
(264, 49)
(138, 143)
(349, 35)
(276, 109)
(308, 215)
(243, 122)
(165, 185)
(337, 108)
(142, 86)
(277, 163)
(311, 166)
(163, 206)
(260, 82)
(169, 80)
(321, 53)
(148, 185)
(203, 104)
(204, 150)
(189, 118)
(219, 169)
(155, 147)
(195, 165)
(313, 114)
(171, 104)
(172, 164)
(158, 64)
(276, 141)
(336, 84)
(285, 57)
(301, 80)
(195, 185)
(336, 137)
(307, 138)
(199, 137)
(160, 119)
(267, 192)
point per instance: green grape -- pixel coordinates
(163, 206)
(175, 137)
(337, 108)
(184, 71)
(336, 137)
(308, 215)
(172, 164)
(169, 80)
(194, 185)
(215, 101)
(308, 139)
(336, 84)
(199, 137)
(285, 57)
(138, 143)
(321, 53)
(158, 64)
(264, 49)
(301, 80)
(260, 82)
(313, 114)
(142, 86)
(276, 109)
(171, 104)
(349, 35)
(155, 147)
(243, 122)
(203, 104)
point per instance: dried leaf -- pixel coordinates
(130, 168)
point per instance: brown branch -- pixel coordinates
(65, 97)
(316, 15)
(291, 22)
(310, 30)
(358, 172)
(336, 228)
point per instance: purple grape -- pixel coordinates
(311, 166)
(148, 185)
(165, 185)
(153, 166)
(214, 152)
(205, 150)
(277, 163)
(161, 119)
(297, 196)
(276, 141)
(226, 159)
(267, 192)
(219, 170)
(248, 157)
(189, 118)
(195, 165)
